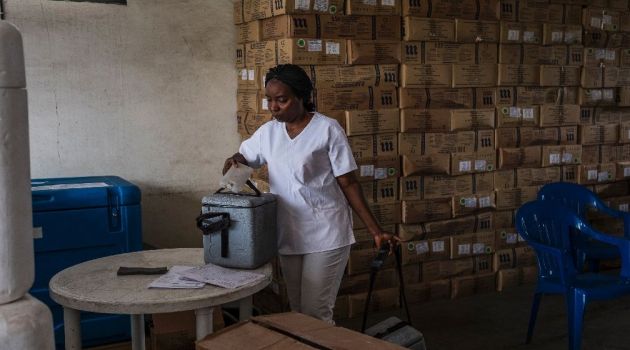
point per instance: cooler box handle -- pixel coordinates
(208, 224)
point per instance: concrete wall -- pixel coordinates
(144, 91)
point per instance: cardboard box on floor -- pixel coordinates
(176, 330)
(290, 331)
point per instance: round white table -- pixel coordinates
(94, 286)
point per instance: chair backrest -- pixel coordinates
(546, 226)
(573, 196)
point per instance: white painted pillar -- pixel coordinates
(25, 322)
(17, 269)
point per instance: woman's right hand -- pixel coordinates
(233, 161)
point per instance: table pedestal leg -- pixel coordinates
(245, 309)
(137, 332)
(72, 328)
(204, 322)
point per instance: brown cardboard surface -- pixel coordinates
(503, 218)
(386, 278)
(332, 27)
(559, 76)
(510, 116)
(438, 98)
(560, 155)
(382, 300)
(281, 7)
(437, 270)
(426, 210)
(253, 10)
(468, 204)
(312, 51)
(470, 31)
(594, 57)
(360, 261)
(372, 121)
(417, 293)
(385, 213)
(426, 75)
(373, 52)
(515, 197)
(248, 32)
(475, 162)
(428, 29)
(238, 12)
(378, 168)
(330, 76)
(537, 176)
(520, 33)
(559, 115)
(529, 54)
(557, 34)
(359, 7)
(507, 239)
(374, 145)
(431, 164)
(590, 174)
(440, 228)
(381, 191)
(508, 278)
(599, 134)
(510, 158)
(518, 74)
(261, 53)
(504, 259)
(353, 99)
(601, 18)
(459, 53)
(248, 122)
(474, 75)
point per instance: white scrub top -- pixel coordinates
(313, 213)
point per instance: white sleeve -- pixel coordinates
(340, 153)
(251, 149)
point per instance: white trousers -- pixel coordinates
(313, 281)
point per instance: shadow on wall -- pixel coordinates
(168, 217)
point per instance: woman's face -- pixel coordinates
(283, 104)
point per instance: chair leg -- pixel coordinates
(532, 317)
(576, 302)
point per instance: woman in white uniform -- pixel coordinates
(311, 171)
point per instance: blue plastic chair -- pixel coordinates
(547, 227)
(580, 200)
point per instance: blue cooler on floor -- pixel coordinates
(80, 219)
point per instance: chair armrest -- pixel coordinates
(622, 243)
(618, 214)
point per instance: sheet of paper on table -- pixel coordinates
(221, 276)
(173, 280)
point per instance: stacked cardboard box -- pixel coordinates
(457, 112)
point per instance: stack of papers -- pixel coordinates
(196, 277)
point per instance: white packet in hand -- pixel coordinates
(235, 178)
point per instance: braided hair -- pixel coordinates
(296, 79)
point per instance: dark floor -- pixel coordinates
(499, 321)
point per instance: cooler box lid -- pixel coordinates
(82, 192)
(229, 200)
